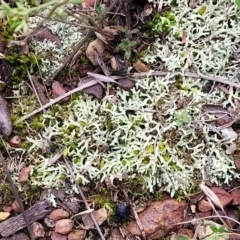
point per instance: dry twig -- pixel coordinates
(187, 74)
(84, 199)
(134, 213)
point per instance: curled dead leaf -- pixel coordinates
(96, 45)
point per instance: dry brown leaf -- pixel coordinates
(45, 33)
(88, 3)
(147, 10)
(96, 45)
(140, 66)
(24, 174)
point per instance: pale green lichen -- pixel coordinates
(53, 56)
(102, 139)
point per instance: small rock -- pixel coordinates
(77, 235)
(64, 226)
(50, 223)
(140, 66)
(58, 214)
(58, 236)
(235, 194)
(38, 230)
(116, 235)
(100, 216)
(204, 206)
(58, 90)
(224, 197)
(15, 141)
(159, 218)
(15, 207)
(125, 84)
(24, 174)
(4, 215)
(96, 45)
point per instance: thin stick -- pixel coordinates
(77, 48)
(187, 74)
(83, 198)
(15, 193)
(81, 87)
(134, 213)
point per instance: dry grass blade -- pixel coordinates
(43, 33)
(188, 74)
(101, 78)
(77, 89)
(212, 196)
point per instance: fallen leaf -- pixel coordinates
(4, 215)
(147, 11)
(140, 66)
(96, 45)
(24, 174)
(58, 90)
(88, 3)
(77, 235)
(43, 33)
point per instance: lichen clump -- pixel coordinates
(144, 133)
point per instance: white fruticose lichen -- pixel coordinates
(141, 135)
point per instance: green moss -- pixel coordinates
(162, 24)
(19, 64)
(103, 200)
(30, 192)
(8, 197)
